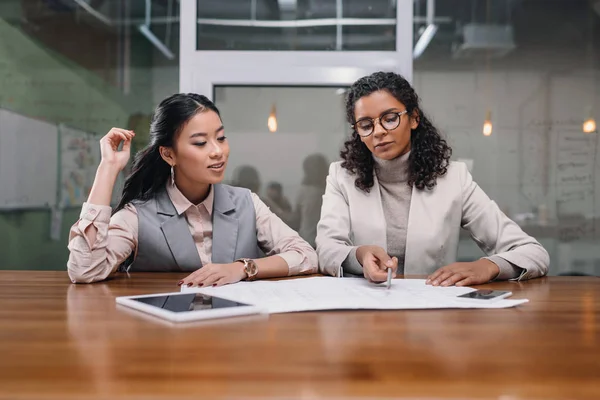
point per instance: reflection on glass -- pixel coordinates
(67, 77)
(296, 25)
(286, 169)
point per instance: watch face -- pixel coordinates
(252, 268)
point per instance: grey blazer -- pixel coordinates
(351, 218)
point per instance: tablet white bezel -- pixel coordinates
(196, 315)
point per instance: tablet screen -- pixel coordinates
(188, 302)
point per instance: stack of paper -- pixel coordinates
(328, 293)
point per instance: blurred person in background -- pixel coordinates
(310, 198)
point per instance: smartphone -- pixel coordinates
(486, 294)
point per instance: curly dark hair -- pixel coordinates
(430, 154)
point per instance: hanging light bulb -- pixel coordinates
(272, 121)
(487, 124)
(589, 125)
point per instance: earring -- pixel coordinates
(172, 176)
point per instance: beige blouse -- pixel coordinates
(117, 237)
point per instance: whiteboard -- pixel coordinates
(28, 162)
(79, 159)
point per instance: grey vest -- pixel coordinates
(165, 243)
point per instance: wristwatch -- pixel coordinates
(250, 268)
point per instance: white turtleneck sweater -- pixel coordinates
(395, 198)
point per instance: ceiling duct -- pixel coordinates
(595, 5)
(481, 40)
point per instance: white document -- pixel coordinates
(328, 293)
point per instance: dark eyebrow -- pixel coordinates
(203, 134)
(384, 112)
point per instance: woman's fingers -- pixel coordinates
(375, 273)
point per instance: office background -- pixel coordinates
(528, 69)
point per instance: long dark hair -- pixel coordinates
(430, 154)
(149, 172)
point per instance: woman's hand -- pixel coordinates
(375, 262)
(464, 273)
(109, 148)
(215, 275)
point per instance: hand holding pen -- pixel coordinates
(376, 263)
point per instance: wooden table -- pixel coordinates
(64, 341)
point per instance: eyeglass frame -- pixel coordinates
(378, 119)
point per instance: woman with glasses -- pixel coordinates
(175, 214)
(397, 202)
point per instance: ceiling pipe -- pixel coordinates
(429, 31)
(260, 23)
(98, 15)
(145, 30)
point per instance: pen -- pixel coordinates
(389, 278)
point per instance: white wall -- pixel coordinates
(535, 115)
(165, 82)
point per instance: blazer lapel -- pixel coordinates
(423, 234)
(177, 234)
(225, 227)
(410, 252)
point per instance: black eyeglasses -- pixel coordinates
(389, 120)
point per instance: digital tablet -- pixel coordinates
(180, 307)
